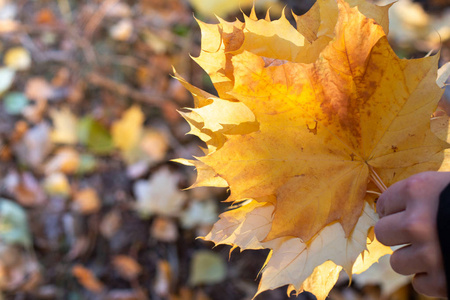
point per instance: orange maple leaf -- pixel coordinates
(309, 123)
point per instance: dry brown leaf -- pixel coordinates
(126, 266)
(18, 270)
(86, 201)
(26, 189)
(87, 279)
(65, 160)
(45, 16)
(163, 278)
(38, 88)
(80, 246)
(34, 145)
(164, 229)
(110, 223)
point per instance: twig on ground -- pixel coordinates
(97, 17)
(124, 90)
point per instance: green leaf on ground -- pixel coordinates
(207, 267)
(6, 79)
(13, 224)
(95, 136)
(15, 102)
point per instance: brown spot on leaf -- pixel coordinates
(233, 40)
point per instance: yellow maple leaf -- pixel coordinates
(309, 124)
(224, 7)
(17, 58)
(127, 132)
(65, 125)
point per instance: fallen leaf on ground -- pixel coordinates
(86, 201)
(199, 213)
(443, 75)
(17, 58)
(57, 184)
(155, 41)
(87, 279)
(126, 266)
(8, 9)
(65, 160)
(38, 88)
(8, 12)
(65, 126)
(127, 132)
(88, 164)
(164, 230)
(79, 247)
(13, 224)
(95, 136)
(19, 271)
(26, 188)
(409, 22)
(122, 31)
(159, 195)
(110, 224)
(34, 146)
(45, 16)
(6, 78)
(382, 274)
(155, 144)
(15, 103)
(34, 112)
(207, 267)
(163, 278)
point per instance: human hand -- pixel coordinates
(408, 212)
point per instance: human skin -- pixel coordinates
(408, 213)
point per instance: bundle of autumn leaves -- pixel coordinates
(310, 125)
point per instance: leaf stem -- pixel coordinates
(373, 192)
(376, 179)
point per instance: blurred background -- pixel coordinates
(90, 206)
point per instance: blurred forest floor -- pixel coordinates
(91, 207)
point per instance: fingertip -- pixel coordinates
(426, 285)
(379, 207)
(378, 229)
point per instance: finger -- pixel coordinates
(390, 230)
(393, 200)
(430, 286)
(406, 261)
(420, 186)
